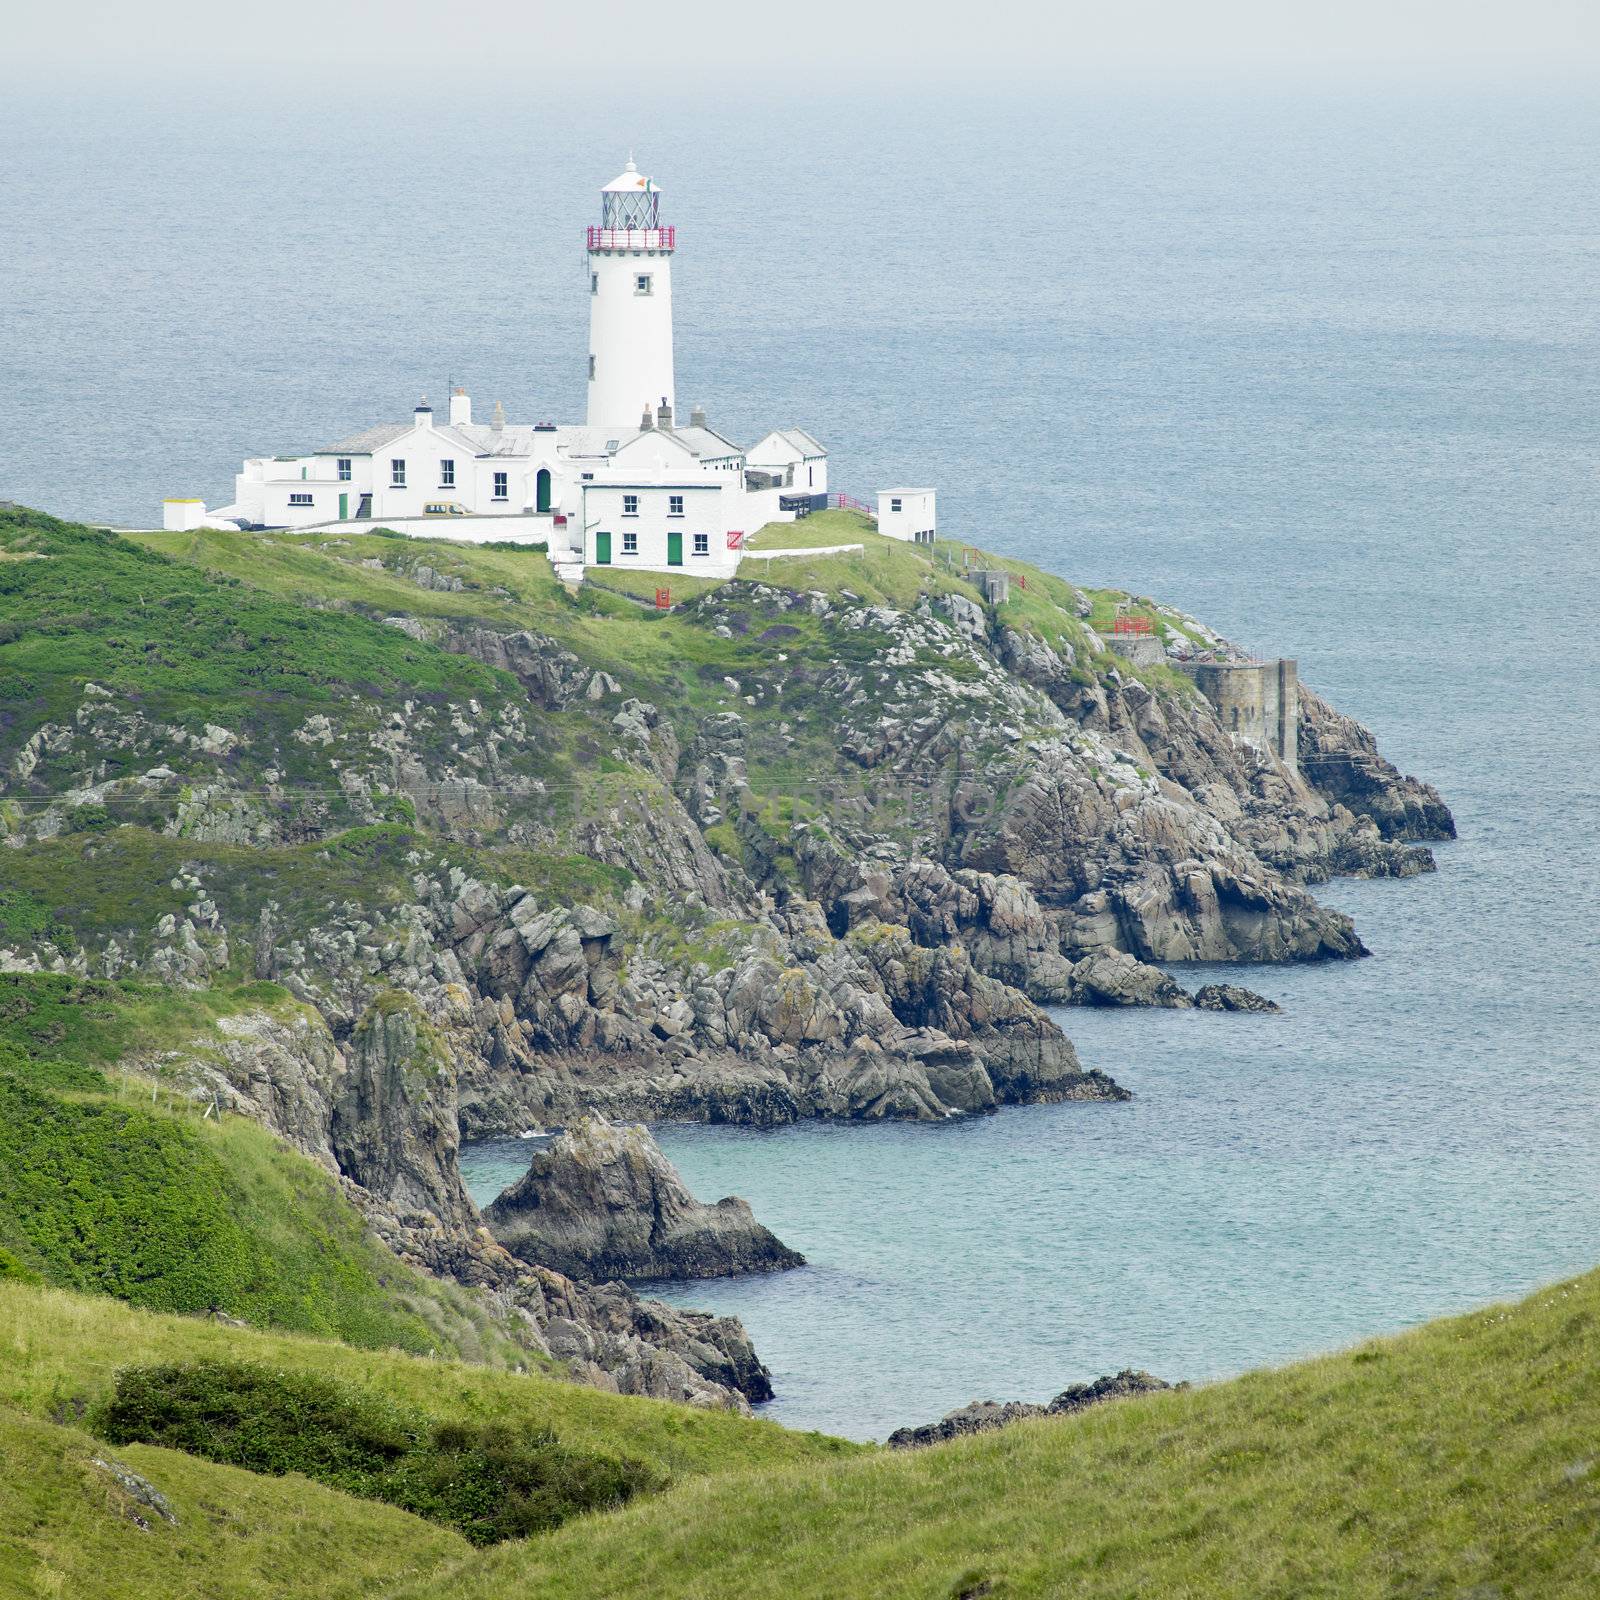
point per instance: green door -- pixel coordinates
(542, 490)
(602, 549)
(674, 548)
(344, 506)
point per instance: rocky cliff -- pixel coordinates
(518, 856)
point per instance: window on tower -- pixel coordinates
(591, 366)
(641, 283)
(594, 283)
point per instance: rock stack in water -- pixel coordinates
(602, 1202)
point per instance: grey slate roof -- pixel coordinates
(519, 439)
(365, 442)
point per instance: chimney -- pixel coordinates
(498, 421)
(697, 416)
(664, 415)
(424, 413)
(460, 408)
(646, 422)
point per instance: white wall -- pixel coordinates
(630, 336)
(705, 512)
(807, 473)
(422, 449)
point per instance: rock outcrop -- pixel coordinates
(1230, 997)
(602, 1202)
(981, 1416)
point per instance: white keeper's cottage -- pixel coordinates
(636, 484)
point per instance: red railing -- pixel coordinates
(632, 238)
(845, 502)
(1139, 625)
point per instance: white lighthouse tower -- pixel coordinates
(630, 311)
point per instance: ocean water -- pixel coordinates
(1324, 370)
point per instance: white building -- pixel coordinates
(628, 487)
(907, 514)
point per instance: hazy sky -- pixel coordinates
(612, 49)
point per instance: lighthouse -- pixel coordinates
(630, 304)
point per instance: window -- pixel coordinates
(594, 283)
(674, 505)
(630, 506)
(397, 474)
(301, 500)
(502, 484)
(811, 475)
(702, 544)
(447, 474)
(591, 366)
(630, 544)
(894, 505)
(344, 469)
(641, 283)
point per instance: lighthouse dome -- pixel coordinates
(629, 181)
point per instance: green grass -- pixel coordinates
(116, 1184)
(1456, 1460)
(184, 641)
(67, 1531)
(884, 572)
(60, 1353)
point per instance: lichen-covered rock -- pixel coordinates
(602, 1202)
(395, 1129)
(1230, 997)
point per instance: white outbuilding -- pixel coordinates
(907, 514)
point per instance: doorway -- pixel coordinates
(541, 490)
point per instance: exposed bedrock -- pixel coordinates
(1308, 822)
(1340, 758)
(982, 1416)
(799, 1024)
(380, 1112)
(602, 1202)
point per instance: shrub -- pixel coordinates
(488, 1481)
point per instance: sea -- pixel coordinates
(1321, 367)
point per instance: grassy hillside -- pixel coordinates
(62, 1351)
(113, 1185)
(1456, 1460)
(67, 1530)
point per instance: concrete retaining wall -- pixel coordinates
(1258, 700)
